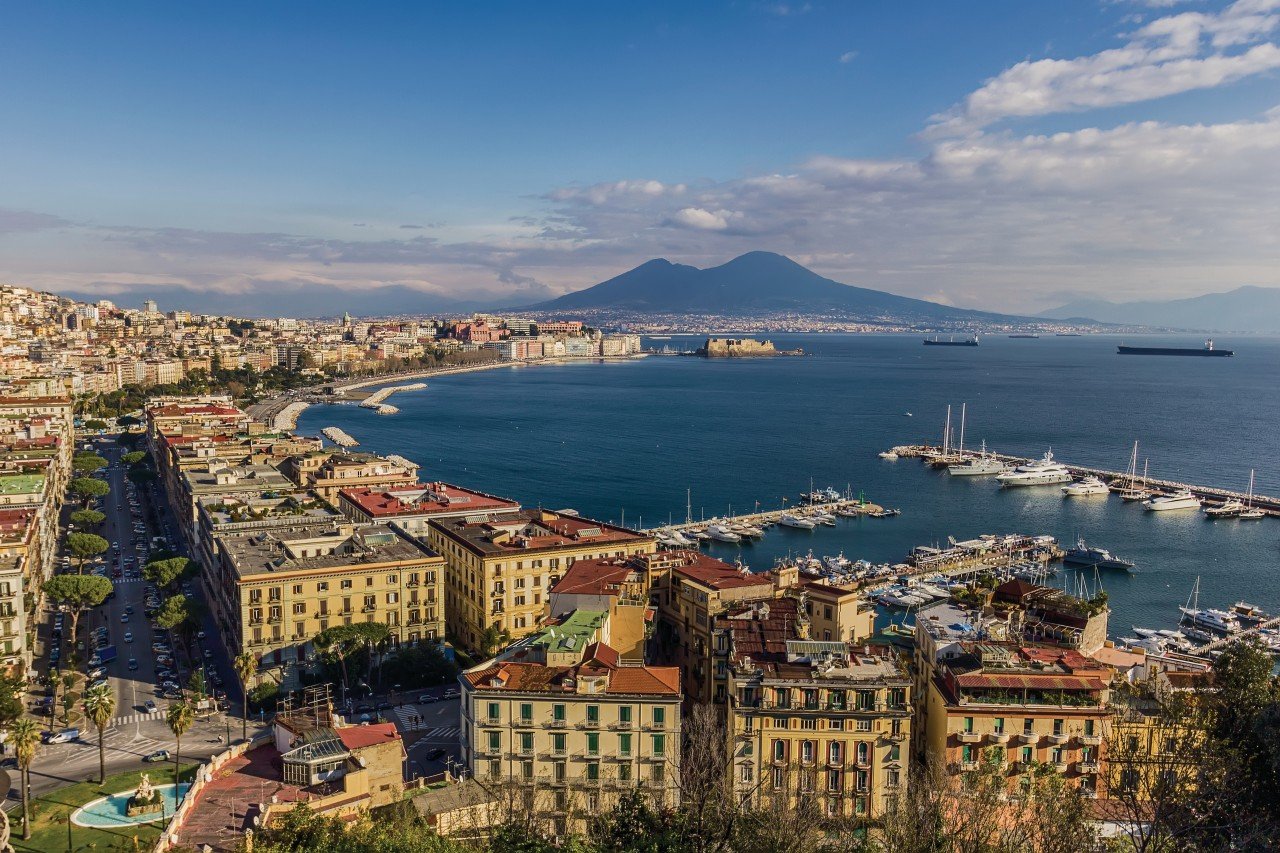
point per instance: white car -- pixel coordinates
(128, 636)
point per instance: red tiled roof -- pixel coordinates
(409, 500)
(1029, 681)
(359, 737)
(717, 574)
(601, 653)
(646, 679)
(594, 577)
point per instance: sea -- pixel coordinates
(646, 441)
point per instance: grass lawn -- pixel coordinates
(49, 815)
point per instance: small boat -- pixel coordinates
(1101, 558)
(722, 533)
(1085, 487)
(1181, 499)
(907, 415)
(885, 513)
(888, 454)
(797, 522)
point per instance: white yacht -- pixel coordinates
(1217, 620)
(1042, 472)
(721, 533)
(1085, 487)
(1230, 508)
(798, 522)
(888, 454)
(1181, 499)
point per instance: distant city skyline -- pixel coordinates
(1005, 156)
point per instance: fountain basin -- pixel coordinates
(111, 811)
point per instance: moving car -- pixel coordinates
(158, 755)
(149, 706)
(64, 736)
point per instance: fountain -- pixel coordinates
(145, 800)
(146, 804)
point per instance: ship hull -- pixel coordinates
(930, 343)
(1210, 353)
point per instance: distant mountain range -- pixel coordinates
(754, 284)
(1245, 309)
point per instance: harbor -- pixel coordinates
(944, 456)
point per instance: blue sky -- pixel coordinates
(997, 154)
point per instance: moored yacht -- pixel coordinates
(1085, 487)
(1181, 499)
(1083, 555)
(721, 533)
(1227, 509)
(1042, 472)
(798, 522)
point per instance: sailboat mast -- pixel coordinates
(962, 408)
(946, 433)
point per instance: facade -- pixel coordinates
(814, 719)
(410, 506)
(275, 590)
(500, 567)
(616, 586)
(327, 472)
(566, 728)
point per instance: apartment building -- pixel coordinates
(616, 586)
(410, 506)
(811, 718)
(279, 588)
(328, 472)
(18, 540)
(568, 728)
(500, 567)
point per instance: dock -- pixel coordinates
(772, 516)
(339, 437)
(1222, 642)
(374, 400)
(1267, 503)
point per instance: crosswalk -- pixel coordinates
(130, 719)
(437, 733)
(412, 719)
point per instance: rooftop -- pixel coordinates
(20, 484)
(302, 548)
(424, 499)
(604, 576)
(532, 530)
(537, 678)
(715, 574)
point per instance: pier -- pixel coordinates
(339, 437)
(772, 516)
(1268, 504)
(1222, 642)
(374, 400)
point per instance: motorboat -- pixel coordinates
(721, 533)
(1042, 472)
(1085, 487)
(888, 454)
(824, 518)
(1215, 620)
(797, 522)
(977, 466)
(1227, 509)
(1083, 555)
(1181, 499)
(838, 563)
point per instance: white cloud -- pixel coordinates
(1169, 55)
(701, 220)
(848, 56)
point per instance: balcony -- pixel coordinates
(368, 608)
(523, 722)
(968, 737)
(557, 724)
(999, 737)
(1090, 740)
(968, 765)
(491, 721)
(621, 725)
(1029, 737)
(589, 724)
(1087, 766)
(1060, 766)
(1059, 738)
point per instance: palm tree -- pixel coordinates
(25, 735)
(180, 718)
(100, 706)
(246, 665)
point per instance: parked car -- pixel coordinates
(149, 706)
(427, 698)
(64, 736)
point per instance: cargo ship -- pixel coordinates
(936, 341)
(1206, 350)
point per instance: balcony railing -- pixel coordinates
(968, 765)
(968, 737)
(557, 724)
(1059, 738)
(1029, 737)
(1090, 740)
(1087, 766)
(999, 737)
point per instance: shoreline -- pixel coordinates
(286, 418)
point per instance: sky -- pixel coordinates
(1003, 154)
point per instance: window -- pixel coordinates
(836, 700)
(659, 717)
(1055, 755)
(833, 752)
(593, 771)
(624, 745)
(495, 741)
(297, 589)
(659, 745)
(526, 769)
(891, 778)
(860, 779)
(526, 712)
(1057, 727)
(835, 725)
(593, 713)
(624, 772)
(558, 771)
(968, 725)
(777, 778)
(864, 725)
(779, 750)
(833, 780)
(658, 774)
(806, 751)
(557, 713)
(495, 769)
(1028, 726)
(864, 753)
(1088, 728)
(495, 711)
(966, 753)
(346, 584)
(557, 743)
(624, 714)
(593, 743)
(322, 586)
(895, 752)
(780, 722)
(808, 723)
(746, 773)
(526, 743)
(997, 725)
(810, 699)
(1028, 755)
(860, 805)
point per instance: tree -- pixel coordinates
(163, 572)
(492, 639)
(86, 489)
(94, 423)
(86, 518)
(141, 475)
(179, 718)
(100, 707)
(24, 734)
(246, 666)
(196, 684)
(133, 457)
(11, 689)
(87, 463)
(85, 545)
(77, 593)
(343, 640)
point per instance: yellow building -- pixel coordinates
(327, 471)
(501, 566)
(813, 718)
(565, 729)
(275, 590)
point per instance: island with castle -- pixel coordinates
(742, 348)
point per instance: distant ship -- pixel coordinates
(1024, 336)
(1067, 334)
(1206, 350)
(936, 341)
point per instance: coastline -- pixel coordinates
(286, 418)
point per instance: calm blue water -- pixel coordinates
(631, 437)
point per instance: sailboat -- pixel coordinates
(1132, 492)
(1250, 512)
(979, 465)
(949, 455)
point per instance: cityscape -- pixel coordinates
(920, 497)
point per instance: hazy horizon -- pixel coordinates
(1011, 158)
